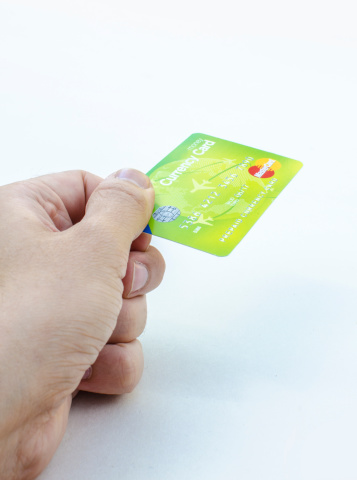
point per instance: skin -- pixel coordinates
(75, 269)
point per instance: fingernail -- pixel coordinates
(140, 277)
(134, 176)
(87, 374)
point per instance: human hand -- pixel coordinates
(74, 271)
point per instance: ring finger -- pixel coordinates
(131, 320)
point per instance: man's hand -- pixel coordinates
(74, 271)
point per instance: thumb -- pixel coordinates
(116, 214)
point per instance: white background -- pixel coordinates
(251, 360)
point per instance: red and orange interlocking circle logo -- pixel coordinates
(264, 168)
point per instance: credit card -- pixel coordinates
(209, 192)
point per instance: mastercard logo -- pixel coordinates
(264, 168)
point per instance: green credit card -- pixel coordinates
(210, 192)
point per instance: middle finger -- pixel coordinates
(144, 272)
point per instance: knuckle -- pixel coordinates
(135, 313)
(132, 319)
(129, 371)
(157, 267)
(144, 311)
(159, 260)
(127, 320)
